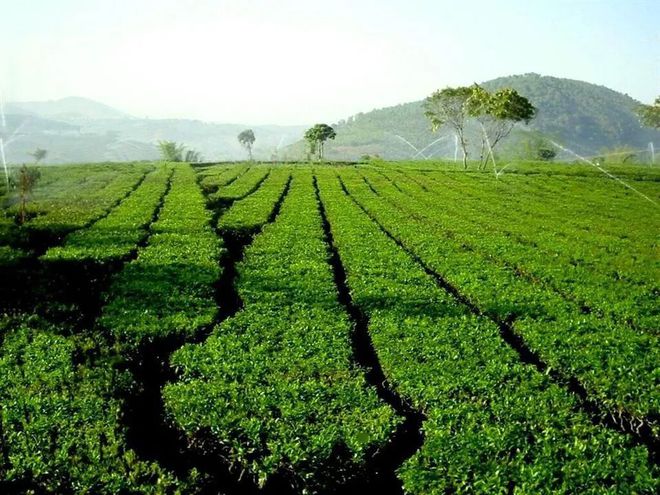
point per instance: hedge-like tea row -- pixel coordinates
(10, 256)
(494, 425)
(244, 185)
(617, 365)
(72, 197)
(253, 211)
(169, 289)
(612, 269)
(116, 235)
(275, 385)
(60, 425)
(212, 177)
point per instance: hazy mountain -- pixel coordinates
(81, 130)
(70, 108)
(582, 116)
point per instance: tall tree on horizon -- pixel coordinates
(38, 154)
(317, 136)
(247, 139)
(497, 114)
(448, 107)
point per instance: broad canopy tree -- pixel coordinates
(317, 136)
(496, 113)
(247, 139)
(448, 107)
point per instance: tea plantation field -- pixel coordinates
(374, 328)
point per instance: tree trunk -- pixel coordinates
(465, 154)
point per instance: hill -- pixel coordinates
(582, 116)
(67, 109)
(81, 130)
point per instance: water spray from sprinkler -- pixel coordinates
(409, 144)
(652, 153)
(3, 131)
(421, 152)
(595, 165)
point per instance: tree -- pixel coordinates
(497, 114)
(25, 180)
(448, 107)
(192, 156)
(171, 151)
(317, 136)
(38, 155)
(247, 139)
(649, 115)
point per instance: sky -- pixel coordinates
(308, 61)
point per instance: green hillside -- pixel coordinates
(582, 116)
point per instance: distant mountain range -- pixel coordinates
(582, 116)
(71, 108)
(81, 130)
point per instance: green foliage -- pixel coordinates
(317, 136)
(244, 185)
(280, 375)
(582, 116)
(168, 290)
(23, 181)
(117, 235)
(492, 422)
(504, 104)
(213, 177)
(60, 422)
(171, 151)
(649, 115)
(449, 107)
(247, 139)
(546, 154)
(248, 214)
(561, 255)
(497, 113)
(605, 355)
(74, 199)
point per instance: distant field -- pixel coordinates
(374, 328)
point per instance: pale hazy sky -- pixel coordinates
(305, 61)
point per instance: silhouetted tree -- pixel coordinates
(38, 155)
(247, 139)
